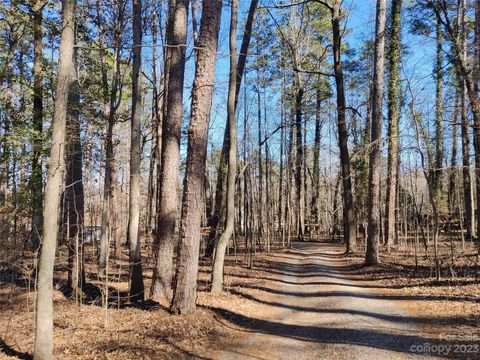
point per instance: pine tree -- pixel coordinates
(184, 298)
(393, 58)
(374, 209)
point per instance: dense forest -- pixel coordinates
(176, 170)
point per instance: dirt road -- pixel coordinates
(322, 310)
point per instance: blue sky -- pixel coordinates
(361, 24)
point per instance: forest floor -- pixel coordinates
(310, 301)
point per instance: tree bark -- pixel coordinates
(393, 118)
(170, 159)
(437, 171)
(74, 200)
(7, 76)
(299, 178)
(51, 212)
(37, 143)
(316, 162)
(136, 287)
(349, 221)
(156, 128)
(184, 298)
(467, 181)
(452, 184)
(110, 105)
(217, 271)
(259, 152)
(374, 209)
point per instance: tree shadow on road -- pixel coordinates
(443, 320)
(402, 343)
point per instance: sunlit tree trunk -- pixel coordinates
(438, 161)
(51, 211)
(185, 291)
(467, 181)
(374, 208)
(170, 157)
(349, 221)
(217, 271)
(393, 57)
(136, 287)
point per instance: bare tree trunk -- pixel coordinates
(467, 181)
(281, 207)
(393, 118)
(217, 216)
(5, 141)
(299, 179)
(156, 129)
(36, 178)
(349, 222)
(459, 60)
(110, 106)
(51, 212)
(374, 209)
(290, 174)
(217, 271)
(136, 287)
(452, 184)
(316, 162)
(170, 158)
(438, 161)
(477, 42)
(184, 297)
(259, 153)
(476, 111)
(74, 200)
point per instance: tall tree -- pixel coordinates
(74, 200)
(452, 181)
(110, 105)
(463, 73)
(136, 287)
(464, 128)
(316, 158)
(170, 156)
(217, 215)
(477, 41)
(393, 58)
(51, 211)
(438, 161)
(156, 126)
(217, 271)
(184, 297)
(349, 221)
(299, 159)
(375, 171)
(36, 178)
(14, 28)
